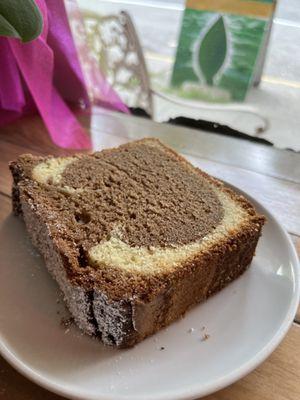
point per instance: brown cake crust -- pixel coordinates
(139, 305)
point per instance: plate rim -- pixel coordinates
(195, 391)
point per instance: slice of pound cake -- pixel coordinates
(134, 236)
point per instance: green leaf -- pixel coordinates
(20, 19)
(6, 29)
(212, 50)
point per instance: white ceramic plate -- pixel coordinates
(245, 322)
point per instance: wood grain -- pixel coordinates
(278, 378)
(269, 175)
(296, 241)
(227, 150)
(24, 137)
(278, 195)
(9, 152)
(285, 204)
(14, 386)
(30, 133)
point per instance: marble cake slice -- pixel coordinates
(134, 235)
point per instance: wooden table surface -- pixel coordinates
(270, 175)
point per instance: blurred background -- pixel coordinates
(270, 110)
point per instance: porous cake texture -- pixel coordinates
(134, 236)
